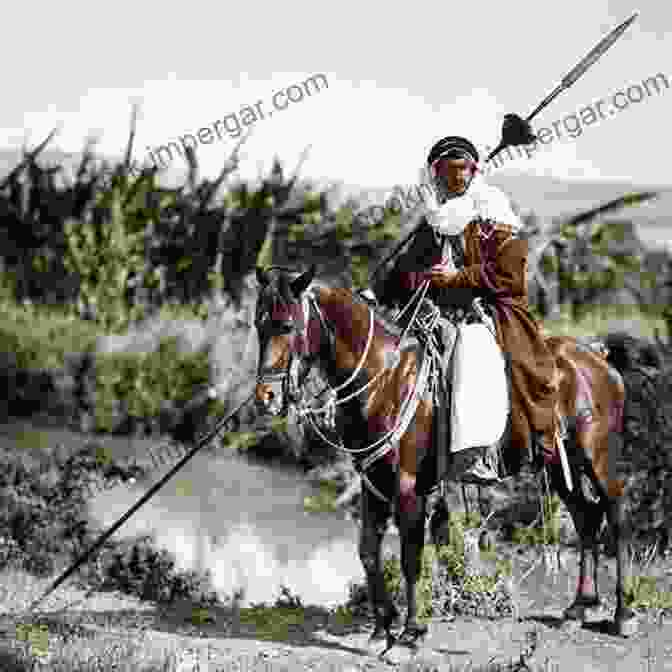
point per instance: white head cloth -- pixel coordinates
(480, 200)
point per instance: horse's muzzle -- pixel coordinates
(267, 399)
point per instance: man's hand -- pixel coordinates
(440, 276)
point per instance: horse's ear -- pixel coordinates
(262, 277)
(300, 284)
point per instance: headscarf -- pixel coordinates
(480, 200)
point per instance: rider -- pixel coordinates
(489, 260)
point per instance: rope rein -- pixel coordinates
(385, 443)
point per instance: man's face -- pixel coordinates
(454, 174)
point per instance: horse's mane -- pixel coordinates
(343, 294)
(347, 295)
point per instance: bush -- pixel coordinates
(43, 517)
(138, 385)
(540, 534)
(42, 338)
(641, 592)
(451, 580)
(44, 522)
(139, 569)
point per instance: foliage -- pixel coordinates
(641, 592)
(546, 531)
(600, 319)
(41, 337)
(587, 257)
(143, 382)
(115, 243)
(44, 504)
(450, 580)
(141, 570)
(272, 623)
(44, 521)
(325, 500)
(109, 247)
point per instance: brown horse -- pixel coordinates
(382, 409)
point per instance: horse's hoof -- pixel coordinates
(625, 623)
(575, 612)
(390, 641)
(411, 634)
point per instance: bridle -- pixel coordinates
(290, 377)
(292, 401)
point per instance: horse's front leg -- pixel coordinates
(412, 530)
(375, 515)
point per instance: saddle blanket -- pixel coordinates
(480, 389)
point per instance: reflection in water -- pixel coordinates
(246, 524)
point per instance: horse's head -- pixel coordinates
(282, 320)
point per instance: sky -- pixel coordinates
(399, 77)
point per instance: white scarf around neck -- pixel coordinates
(480, 200)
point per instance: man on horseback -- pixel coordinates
(467, 246)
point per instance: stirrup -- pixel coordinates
(479, 473)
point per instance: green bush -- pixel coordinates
(538, 534)
(40, 337)
(44, 522)
(143, 382)
(325, 500)
(641, 592)
(43, 516)
(447, 582)
(149, 574)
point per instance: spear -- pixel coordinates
(575, 73)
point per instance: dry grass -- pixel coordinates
(57, 640)
(606, 319)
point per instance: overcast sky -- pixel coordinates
(399, 77)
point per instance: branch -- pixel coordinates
(27, 159)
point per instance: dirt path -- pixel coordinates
(451, 645)
(459, 644)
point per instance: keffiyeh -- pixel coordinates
(480, 201)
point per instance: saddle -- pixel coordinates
(444, 434)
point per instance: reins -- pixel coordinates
(385, 443)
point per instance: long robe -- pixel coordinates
(495, 267)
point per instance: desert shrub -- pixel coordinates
(139, 569)
(324, 500)
(41, 338)
(546, 530)
(642, 592)
(452, 579)
(43, 517)
(646, 460)
(142, 383)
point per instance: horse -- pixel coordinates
(380, 407)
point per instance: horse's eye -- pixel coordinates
(286, 329)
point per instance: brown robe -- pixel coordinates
(495, 266)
